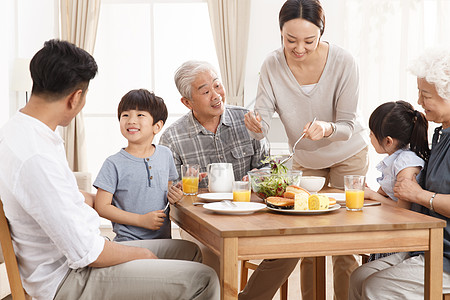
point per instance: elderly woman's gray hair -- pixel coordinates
(434, 67)
(186, 74)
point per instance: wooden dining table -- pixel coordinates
(268, 235)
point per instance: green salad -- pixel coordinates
(273, 182)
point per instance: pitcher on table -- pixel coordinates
(220, 177)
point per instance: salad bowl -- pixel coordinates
(268, 184)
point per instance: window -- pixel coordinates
(140, 44)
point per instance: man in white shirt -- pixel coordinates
(56, 235)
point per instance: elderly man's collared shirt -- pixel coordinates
(191, 143)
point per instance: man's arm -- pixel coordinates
(169, 143)
(115, 253)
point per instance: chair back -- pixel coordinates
(15, 283)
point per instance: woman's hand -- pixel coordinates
(318, 130)
(253, 122)
(175, 193)
(407, 189)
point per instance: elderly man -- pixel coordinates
(56, 235)
(213, 132)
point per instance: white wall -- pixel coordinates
(29, 24)
(6, 22)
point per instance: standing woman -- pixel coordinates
(309, 78)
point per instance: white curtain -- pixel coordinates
(230, 25)
(79, 20)
(384, 36)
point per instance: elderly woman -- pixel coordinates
(401, 275)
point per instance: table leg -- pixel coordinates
(433, 265)
(319, 278)
(229, 268)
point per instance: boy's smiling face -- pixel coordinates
(137, 126)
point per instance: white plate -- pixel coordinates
(216, 196)
(242, 208)
(337, 196)
(340, 199)
(305, 212)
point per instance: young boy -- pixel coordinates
(135, 184)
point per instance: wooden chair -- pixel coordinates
(15, 283)
(245, 265)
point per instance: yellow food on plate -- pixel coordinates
(332, 201)
(301, 201)
(290, 195)
(300, 197)
(295, 189)
(318, 202)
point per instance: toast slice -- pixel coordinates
(280, 202)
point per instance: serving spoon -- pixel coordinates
(295, 145)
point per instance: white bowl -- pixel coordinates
(312, 184)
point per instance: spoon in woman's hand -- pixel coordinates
(295, 145)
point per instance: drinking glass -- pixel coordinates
(241, 191)
(354, 192)
(190, 174)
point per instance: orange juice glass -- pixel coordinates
(190, 185)
(241, 191)
(354, 199)
(190, 174)
(354, 192)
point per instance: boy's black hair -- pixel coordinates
(144, 100)
(402, 122)
(61, 68)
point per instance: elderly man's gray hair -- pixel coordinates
(434, 67)
(186, 74)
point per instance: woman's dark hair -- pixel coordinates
(310, 10)
(400, 121)
(60, 68)
(145, 101)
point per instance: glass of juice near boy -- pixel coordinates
(354, 192)
(190, 174)
(241, 191)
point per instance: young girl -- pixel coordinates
(393, 127)
(401, 132)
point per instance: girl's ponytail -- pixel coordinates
(419, 136)
(400, 121)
